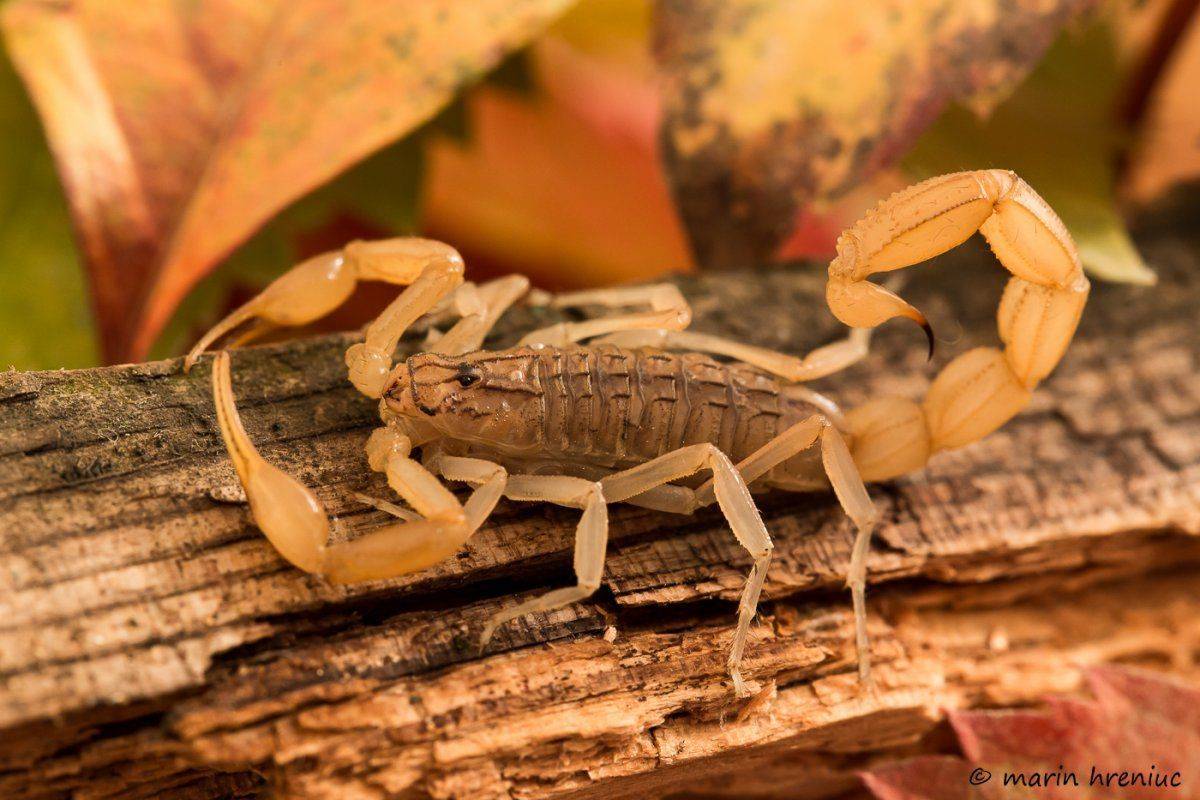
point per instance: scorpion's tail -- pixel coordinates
(983, 388)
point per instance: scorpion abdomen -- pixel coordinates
(612, 407)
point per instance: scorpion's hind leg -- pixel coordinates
(848, 487)
(591, 540)
(736, 504)
(823, 361)
(852, 494)
(983, 388)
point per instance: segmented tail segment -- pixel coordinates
(983, 388)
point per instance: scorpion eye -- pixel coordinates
(466, 379)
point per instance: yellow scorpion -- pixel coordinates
(642, 413)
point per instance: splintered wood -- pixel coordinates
(153, 645)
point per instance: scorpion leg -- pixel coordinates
(439, 530)
(850, 491)
(489, 479)
(480, 307)
(736, 504)
(591, 540)
(852, 494)
(983, 388)
(819, 363)
(668, 309)
(847, 486)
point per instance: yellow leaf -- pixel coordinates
(772, 104)
(1057, 131)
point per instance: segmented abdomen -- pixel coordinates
(613, 407)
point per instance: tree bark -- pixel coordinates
(153, 644)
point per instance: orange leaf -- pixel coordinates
(773, 104)
(180, 128)
(565, 186)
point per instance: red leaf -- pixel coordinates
(926, 778)
(1140, 724)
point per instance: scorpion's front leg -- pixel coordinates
(479, 308)
(591, 539)
(983, 388)
(492, 481)
(370, 363)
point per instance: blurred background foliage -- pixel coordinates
(44, 317)
(582, 143)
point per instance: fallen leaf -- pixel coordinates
(562, 183)
(1058, 131)
(44, 319)
(182, 128)
(772, 104)
(1139, 723)
(929, 778)
(1167, 151)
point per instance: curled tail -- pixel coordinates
(1041, 306)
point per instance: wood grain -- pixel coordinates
(152, 643)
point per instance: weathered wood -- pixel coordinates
(152, 644)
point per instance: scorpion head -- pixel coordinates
(483, 396)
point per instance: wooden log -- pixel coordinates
(153, 644)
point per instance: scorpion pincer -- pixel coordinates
(634, 408)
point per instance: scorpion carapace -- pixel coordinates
(642, 413)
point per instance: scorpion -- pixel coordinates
(634, 408)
